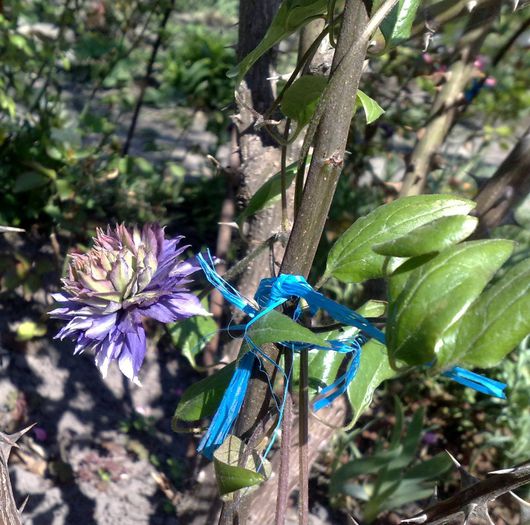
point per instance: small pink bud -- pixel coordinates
(427, 58)
(480, 62)
(490, 82)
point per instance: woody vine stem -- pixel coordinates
(328, 132)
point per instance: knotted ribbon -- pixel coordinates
(271, 293)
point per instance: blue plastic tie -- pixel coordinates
(226, 289)
(476, 382)
(229, 408)
(271, 293)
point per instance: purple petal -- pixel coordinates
(175, 307)
(132, 353)
(106, 351)
(101, 326)
(187, 267)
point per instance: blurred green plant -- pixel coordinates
(138, 423)
(511, 420)
(196, 67)
(392, 475)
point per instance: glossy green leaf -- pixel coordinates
(202, 398)
(371, 108)
(400, 275)
(432, 237)
(397, 26)
(351, 259)
(324, 366)
(276, 327)
(230, 475)
(374, 368)
(301, 98)
(436, 296)
(372, 308)
(268, 193)
(496, 323)
(291, 16)
(191, 335)
(522, 247)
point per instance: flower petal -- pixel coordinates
(101, 326)
(133, 353)
(174, 308)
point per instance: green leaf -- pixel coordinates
(361, 466)
(202, 398)
(522, 246)
(230, 475)
(352, 259)
(397, 26)
(324, 366)
(323, 369)
(268, 193)
(522, 212)
(276, 327)
(430, 469)
(374, 368)
(291, 16)
(411, 441)
(406, 491)
(301, 98)
(400, 275)
(29, 180)
(64, 189)
(371, 108)
(432, 237)
(497, 322)
(372, 308)
(191, 335)
(436, 296)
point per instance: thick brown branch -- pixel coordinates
(330, 142)
(509, 185)
(467, 501)
(445, 108)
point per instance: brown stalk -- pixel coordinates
(446, 104)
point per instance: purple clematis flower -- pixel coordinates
(128, 275)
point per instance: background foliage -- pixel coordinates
(70, 76)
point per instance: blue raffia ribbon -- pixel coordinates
(271, 293)
(476, 382)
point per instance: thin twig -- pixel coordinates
(148, 73)
(303, 436)
(285, 220)
(285, 450)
